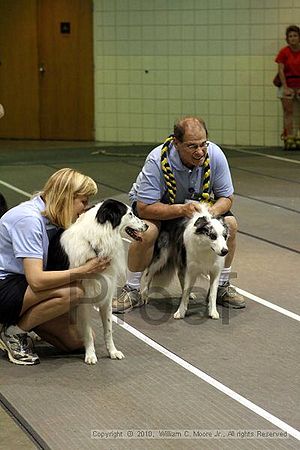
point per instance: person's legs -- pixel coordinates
(47, 313)
(297, 134)
(139, 257)
(41, 307)
(227, 294)
(13, 340)
(231, 241)
(287, 106)
(62, 332)
(140, 253)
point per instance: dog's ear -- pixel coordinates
(111, 211)
(224, 224)
(200, 223)
(226, 229)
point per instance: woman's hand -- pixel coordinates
(95, 265)
(40, 280)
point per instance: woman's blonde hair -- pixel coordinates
(60, 191)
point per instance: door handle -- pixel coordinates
(42, 69)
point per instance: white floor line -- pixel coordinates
(208, 379)
(14, 188)
(280, 158)
(270, 305)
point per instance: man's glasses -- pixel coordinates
(194, 147)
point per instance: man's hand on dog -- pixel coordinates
(189, 209)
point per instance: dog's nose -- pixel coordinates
(224, 251)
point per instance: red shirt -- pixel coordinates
(291, 62)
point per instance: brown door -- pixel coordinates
(19, 91)
(46, 69)
(66, 69)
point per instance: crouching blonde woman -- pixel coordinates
(32, 298)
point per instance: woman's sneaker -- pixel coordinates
(18, 349)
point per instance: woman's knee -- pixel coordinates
(76, 293)
(60, 333)
(71, 294)
(74, 344)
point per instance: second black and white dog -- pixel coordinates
(192, 247)
(99, 232)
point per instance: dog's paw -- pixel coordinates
(116, 354)
(179, 314)
(144, 296)
(90, 358)
(214, 314)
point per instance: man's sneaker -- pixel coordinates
(127, 300)
(229, 297)
(18, 349)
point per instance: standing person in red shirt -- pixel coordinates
(288, 60)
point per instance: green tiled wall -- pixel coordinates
(156, 60)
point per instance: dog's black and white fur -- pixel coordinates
(192, 247)
(99, 232)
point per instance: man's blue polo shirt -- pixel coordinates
(150, 186)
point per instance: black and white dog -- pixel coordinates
(192, 247)
(99, 232)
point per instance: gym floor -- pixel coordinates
(194, 383)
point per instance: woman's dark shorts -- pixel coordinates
(12, 291)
